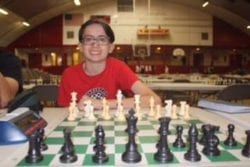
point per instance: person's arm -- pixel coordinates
(8, 89)
(138, 88)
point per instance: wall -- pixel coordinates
(185, 26)
(48, 34)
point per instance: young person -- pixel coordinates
(10, 77)
(101, 76)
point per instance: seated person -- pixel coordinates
(10, 77)
(101, 76)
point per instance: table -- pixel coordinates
(195, 90)
(11, 155)
(185, 86)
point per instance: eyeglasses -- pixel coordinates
(89, 40)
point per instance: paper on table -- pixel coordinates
(223, 106)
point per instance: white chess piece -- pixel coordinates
(187, 109)
(107, 115)
(73, 96)
(119, 97)
(121, 116)
(138, 113)
(104, 104)
(158, 112)
(91, 113)
(174, 114)
(87, 107)
(137, 99)
(119, 102)
(73, 109)
(182, 108)
(71, 116)
(168, 107)
(152, 106)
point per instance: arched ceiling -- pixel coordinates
(234, 12)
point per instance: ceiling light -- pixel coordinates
(25, 23)
(248, 27)
(77, 2)
(4, 12)
(205, 4)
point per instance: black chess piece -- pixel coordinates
(68, 152)
(34, 153)
(131, 154)
(179, 143)
(99, 148)
(230, 141)
(43, 144)
(203, 138)
(246, 149)
(130, 113)
(212, 141)
(192, 154)
(163, 153)
(162, 125)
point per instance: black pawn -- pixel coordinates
(230, 141)
(192, 154)
(34, 153)
(246, 149)
(179, 143)
(43, 144)
(68, 152)
(131, 154)
(163, 153)
(99, 148)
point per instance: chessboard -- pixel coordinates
(83, 138)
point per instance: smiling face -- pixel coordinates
(95, 44)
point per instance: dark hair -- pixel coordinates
(108, 30)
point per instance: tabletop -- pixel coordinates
(11, 155)
(185, 86)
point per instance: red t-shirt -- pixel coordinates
(117, 75)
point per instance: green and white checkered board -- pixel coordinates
(83, 137)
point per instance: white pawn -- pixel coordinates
(152, 106)
(91, 113)
(182, 108)
(106, 115)
(187, 109)
(158, 112)
(168, 107)
(174, 114)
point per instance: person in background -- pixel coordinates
(10, 77)
(101, 76)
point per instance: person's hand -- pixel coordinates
(95, 102)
